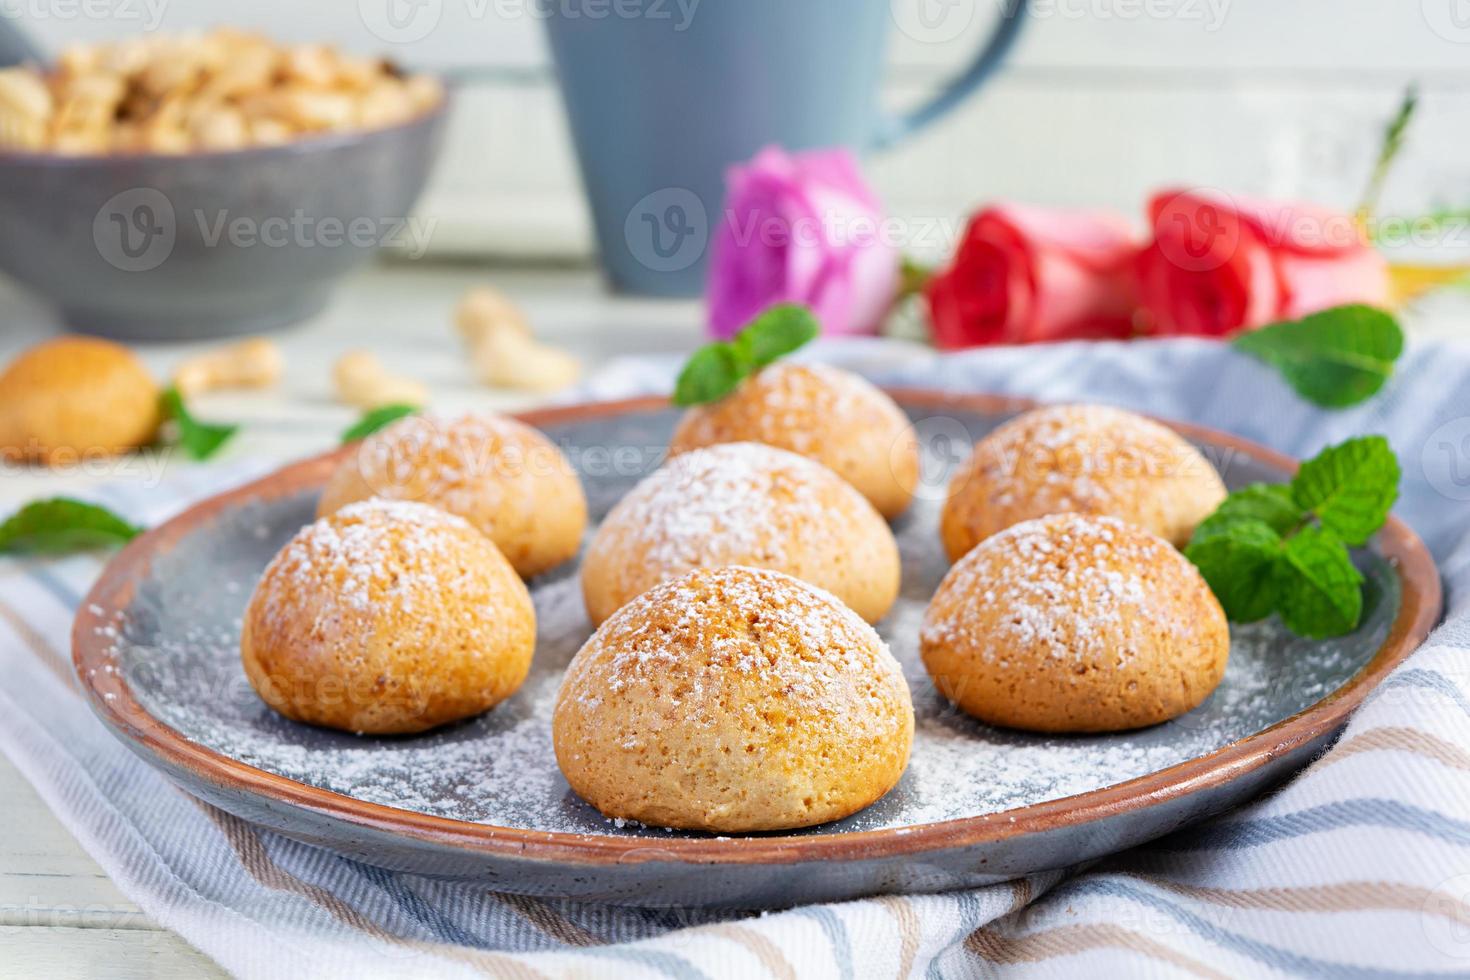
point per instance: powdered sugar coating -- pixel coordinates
(178, 648)
(1075, 623)
(833, 416)
(389, 617)
(743, 503)
(1089, 459)
(733, 699)
(504, 477)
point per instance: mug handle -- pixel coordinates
(16, 46)
(893, 129)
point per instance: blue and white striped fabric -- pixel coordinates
(1359, 867)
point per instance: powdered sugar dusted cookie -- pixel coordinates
(387, 617)
(829, 415)
(1071, 623)
(733, 700)
(501, 475)
(1086, 459)
(743, 503)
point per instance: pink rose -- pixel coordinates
(801, 228)
(1219, 264)
(1026, 274)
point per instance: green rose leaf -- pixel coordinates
(376, 419)
(62, 525)
(717, 369)
(1238, 562)
(774, 334)
(199, 440)
(1335, 358)
(1350, 487)
(1321, 589)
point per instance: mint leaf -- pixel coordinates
(1238, 562)
(1350, 487)
(1284, 547)
(709, 375)
(198, 440)
(1321, 589)
(775, 333)
(1268, 503)
(717, 369)
(376, 419)
(1334, 358)
(62, 525)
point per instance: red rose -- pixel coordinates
(1025, 274)
(1219, 264)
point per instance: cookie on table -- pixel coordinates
(743, 503)
(823, 413)
(1070, 623)
(1086, 459)
(504, 477)
(385, 618)
(76, 398)
(733, 700)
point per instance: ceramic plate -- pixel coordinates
(156, 647)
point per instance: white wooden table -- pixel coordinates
(60, 916)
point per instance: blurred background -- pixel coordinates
(1100, 101)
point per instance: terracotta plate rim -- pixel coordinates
(112, 699)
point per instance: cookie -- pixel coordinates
(1085, 459)
(825, 414)
(501, 475)
(1072, 623)
(743, 503)
(733, 700)
(387, 617)
(76, 398)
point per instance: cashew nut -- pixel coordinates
(483, 311)
(364, 383)
(507, 359)
(254, 363)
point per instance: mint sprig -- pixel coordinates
(375, 419)
(715, 370)
(199, 440)
(1283, 548)
(1335, 358)
(61, 525)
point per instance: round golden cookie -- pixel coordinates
(1085, 459)
(733, 700)
(76, 398)
(387, 618)
(743, 503)
(1072, 623)
(831, 416)
(504, 477)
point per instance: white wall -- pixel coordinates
(1103, 100)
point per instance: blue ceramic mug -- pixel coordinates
(663, 95)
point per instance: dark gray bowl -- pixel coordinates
(152, 247)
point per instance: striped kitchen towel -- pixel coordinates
(1358, 867)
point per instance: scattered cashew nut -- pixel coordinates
(254, 363)
(506, 359)
(502, 348)
(483, 311)
(363, 382)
